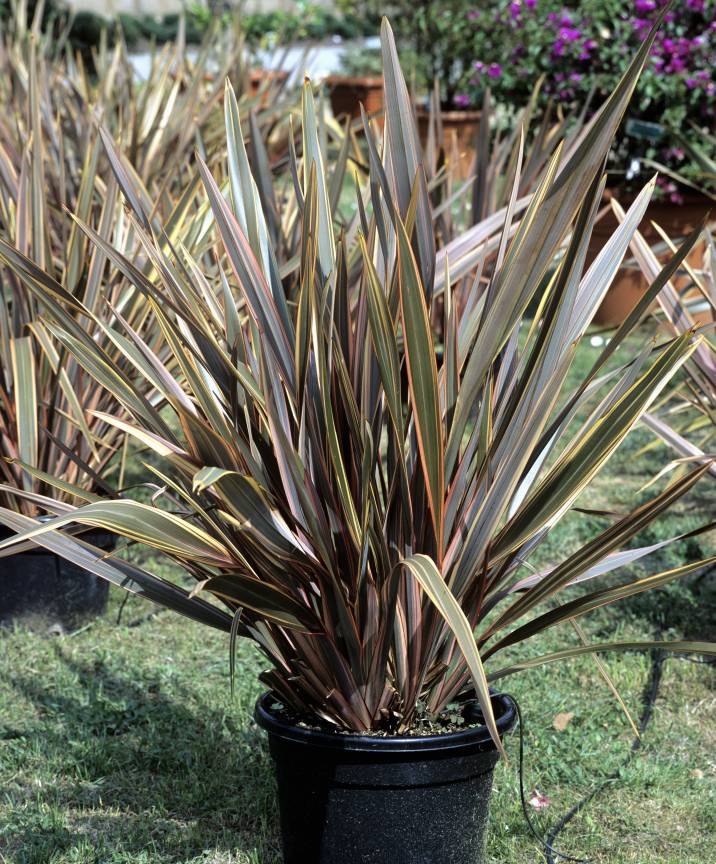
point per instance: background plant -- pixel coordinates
(54, 159)
(686, 417)
(435, 42)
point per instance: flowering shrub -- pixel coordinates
(580, 48)
(583, 47)
(437, 40)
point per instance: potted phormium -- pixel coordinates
(359, 510)
(52, 160)
(686, 419)
(675, 213)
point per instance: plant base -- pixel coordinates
(392, 800)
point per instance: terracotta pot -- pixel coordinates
(266, 82)
(460, 130)
(629, 284)
(259, 77)
(347, 94)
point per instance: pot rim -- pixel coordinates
(476, 737)
(85, 534)
(368, 81)
(691, 198)
(453, 115)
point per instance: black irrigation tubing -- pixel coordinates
(651, 692)
(548, 843)
(137, 622)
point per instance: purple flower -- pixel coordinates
(570, 34)
(695, 5)
(575, 76)
(494, 70)
(473, 15)
(515, 10)
(558, 48)
(530, 4)
(479, 65)
(462, 100)
(691, 83)
(585, 52)
(645, 5)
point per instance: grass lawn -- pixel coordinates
(122, 743)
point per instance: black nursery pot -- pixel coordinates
(361, 799)
(46, 591)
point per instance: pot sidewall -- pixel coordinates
(375, 805)
(46, 592)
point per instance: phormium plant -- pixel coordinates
(686, 419)
(52, 161)
(360, 501)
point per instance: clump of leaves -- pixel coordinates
(362, 504)
(685, 419)
(55, 158)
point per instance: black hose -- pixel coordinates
(651, 691)
(547, 844)
(650, 694)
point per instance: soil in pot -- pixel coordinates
(367, 799)
(629, 284)
(48, 593)
(459, 137)
(349, 92)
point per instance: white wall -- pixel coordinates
(164, 7)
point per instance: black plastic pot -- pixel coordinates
(46, 591)
(360, 799)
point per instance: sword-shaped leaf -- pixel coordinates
(431, 581)
(23, 373)
(423, 380)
